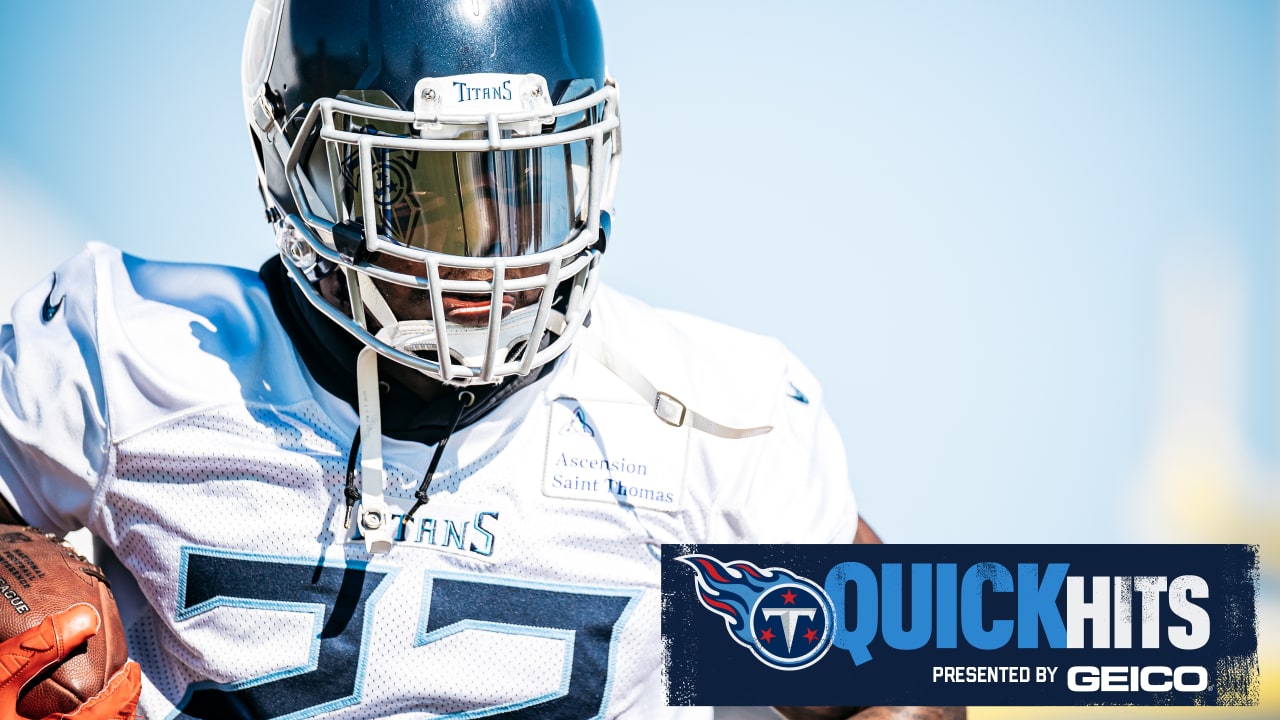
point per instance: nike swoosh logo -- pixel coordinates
(51, 308)
(796, 395)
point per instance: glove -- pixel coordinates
(26, 655)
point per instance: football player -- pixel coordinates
(421, 463)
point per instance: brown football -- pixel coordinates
(40, 576)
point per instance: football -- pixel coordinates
(40, 576)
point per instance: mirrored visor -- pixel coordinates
(477, 204)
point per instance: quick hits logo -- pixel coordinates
(990, 625)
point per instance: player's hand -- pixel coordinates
(25, 656)
(117, 701)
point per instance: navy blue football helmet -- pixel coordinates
(452, 160)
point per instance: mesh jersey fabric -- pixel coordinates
(163, 407)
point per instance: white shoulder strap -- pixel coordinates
(667, 407)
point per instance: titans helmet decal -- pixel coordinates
(786, 620)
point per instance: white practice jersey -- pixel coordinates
(163, 407)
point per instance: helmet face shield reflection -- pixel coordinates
(423, 195)
(474, 204)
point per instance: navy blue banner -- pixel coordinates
(960, 624)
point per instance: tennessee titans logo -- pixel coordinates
(786, 620)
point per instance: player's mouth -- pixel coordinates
(473, 310)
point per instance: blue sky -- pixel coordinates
(980, 223)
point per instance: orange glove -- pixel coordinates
(26, 655)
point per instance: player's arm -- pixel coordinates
(865, 535)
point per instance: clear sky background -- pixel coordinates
(1029, 247)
